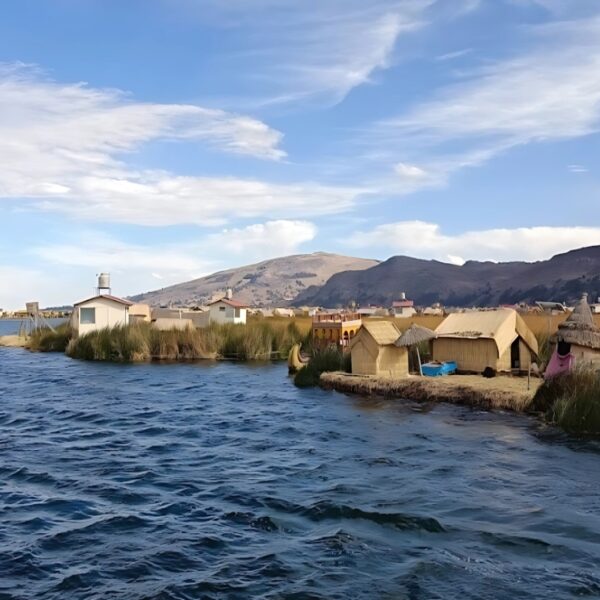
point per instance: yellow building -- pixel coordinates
(499, 339)
(373, 351)
(334, 329)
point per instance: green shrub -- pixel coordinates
(322, 361)
(47, 340)
(572, 401)
(140, 341)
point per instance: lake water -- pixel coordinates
(222, 480)
(12, 326)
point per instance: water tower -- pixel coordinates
(104, 284)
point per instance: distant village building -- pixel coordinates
(140, 313)
(373, 351)
(403, 307)
(581, 333)
(100, 312)
(334, 329)
(554, 308)
(436, 310)
(228, 310)
(283, 312)
(499, 339)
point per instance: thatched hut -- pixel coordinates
(499, 339)
(581, 333)
(373, 351)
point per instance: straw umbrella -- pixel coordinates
(413, 336)
(579, 329)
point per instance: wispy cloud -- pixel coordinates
(427, 240)
(550, 93)
(64, 147)
(319, 52)
(144, 266)
(577, 169)
(139, 264)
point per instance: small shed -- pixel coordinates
(373, 351)
(499, 339)
(100, 312)
(582, 333)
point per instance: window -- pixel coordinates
(87, 316)
(237, 313)
(222, 308)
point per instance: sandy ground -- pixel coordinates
(502, 392)
(13, 341)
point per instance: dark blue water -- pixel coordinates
(224, 481)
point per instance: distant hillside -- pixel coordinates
(563, 278)
(270, 283)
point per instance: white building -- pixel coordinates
(99, 312)
(227, 310)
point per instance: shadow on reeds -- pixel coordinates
(572, 401)
(142, 342)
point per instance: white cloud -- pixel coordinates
(406, 171)
(322, 51)
(577, 169)
(62, 148)
(158, 199)
(549, 93)
(426, 240)
(136, 267)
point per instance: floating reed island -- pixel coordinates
(140, 342)
(571, 401)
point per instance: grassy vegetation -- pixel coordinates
(258, 340)
(572, 401)
(47, 340)
(328, 359)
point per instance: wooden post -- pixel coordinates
(419, 361)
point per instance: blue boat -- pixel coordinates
(436, 369)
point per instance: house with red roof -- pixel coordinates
(228, 310)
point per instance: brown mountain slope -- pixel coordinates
(563, 278)
(270, 283)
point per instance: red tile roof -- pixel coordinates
(106, 297)
(403, 304)
(230, 302)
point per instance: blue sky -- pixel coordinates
(162, 140)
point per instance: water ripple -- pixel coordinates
(218, 481)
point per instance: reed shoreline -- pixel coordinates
(498, 393)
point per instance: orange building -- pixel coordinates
(335, 329)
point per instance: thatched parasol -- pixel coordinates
(579, 328)
(413, 336)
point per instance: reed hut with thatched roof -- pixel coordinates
(581, 333)
(373, 351)
(498, 339)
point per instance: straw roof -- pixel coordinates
(579, 328)
(503, 326)
(415, 334)
(384, 333)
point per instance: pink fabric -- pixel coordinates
(559, 365)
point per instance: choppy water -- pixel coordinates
(224, 481)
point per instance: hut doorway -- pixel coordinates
(515, 362)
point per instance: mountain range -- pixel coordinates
(564, 278)
(331, 280)
(275, 282)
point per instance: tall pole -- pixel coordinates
(419, 361)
